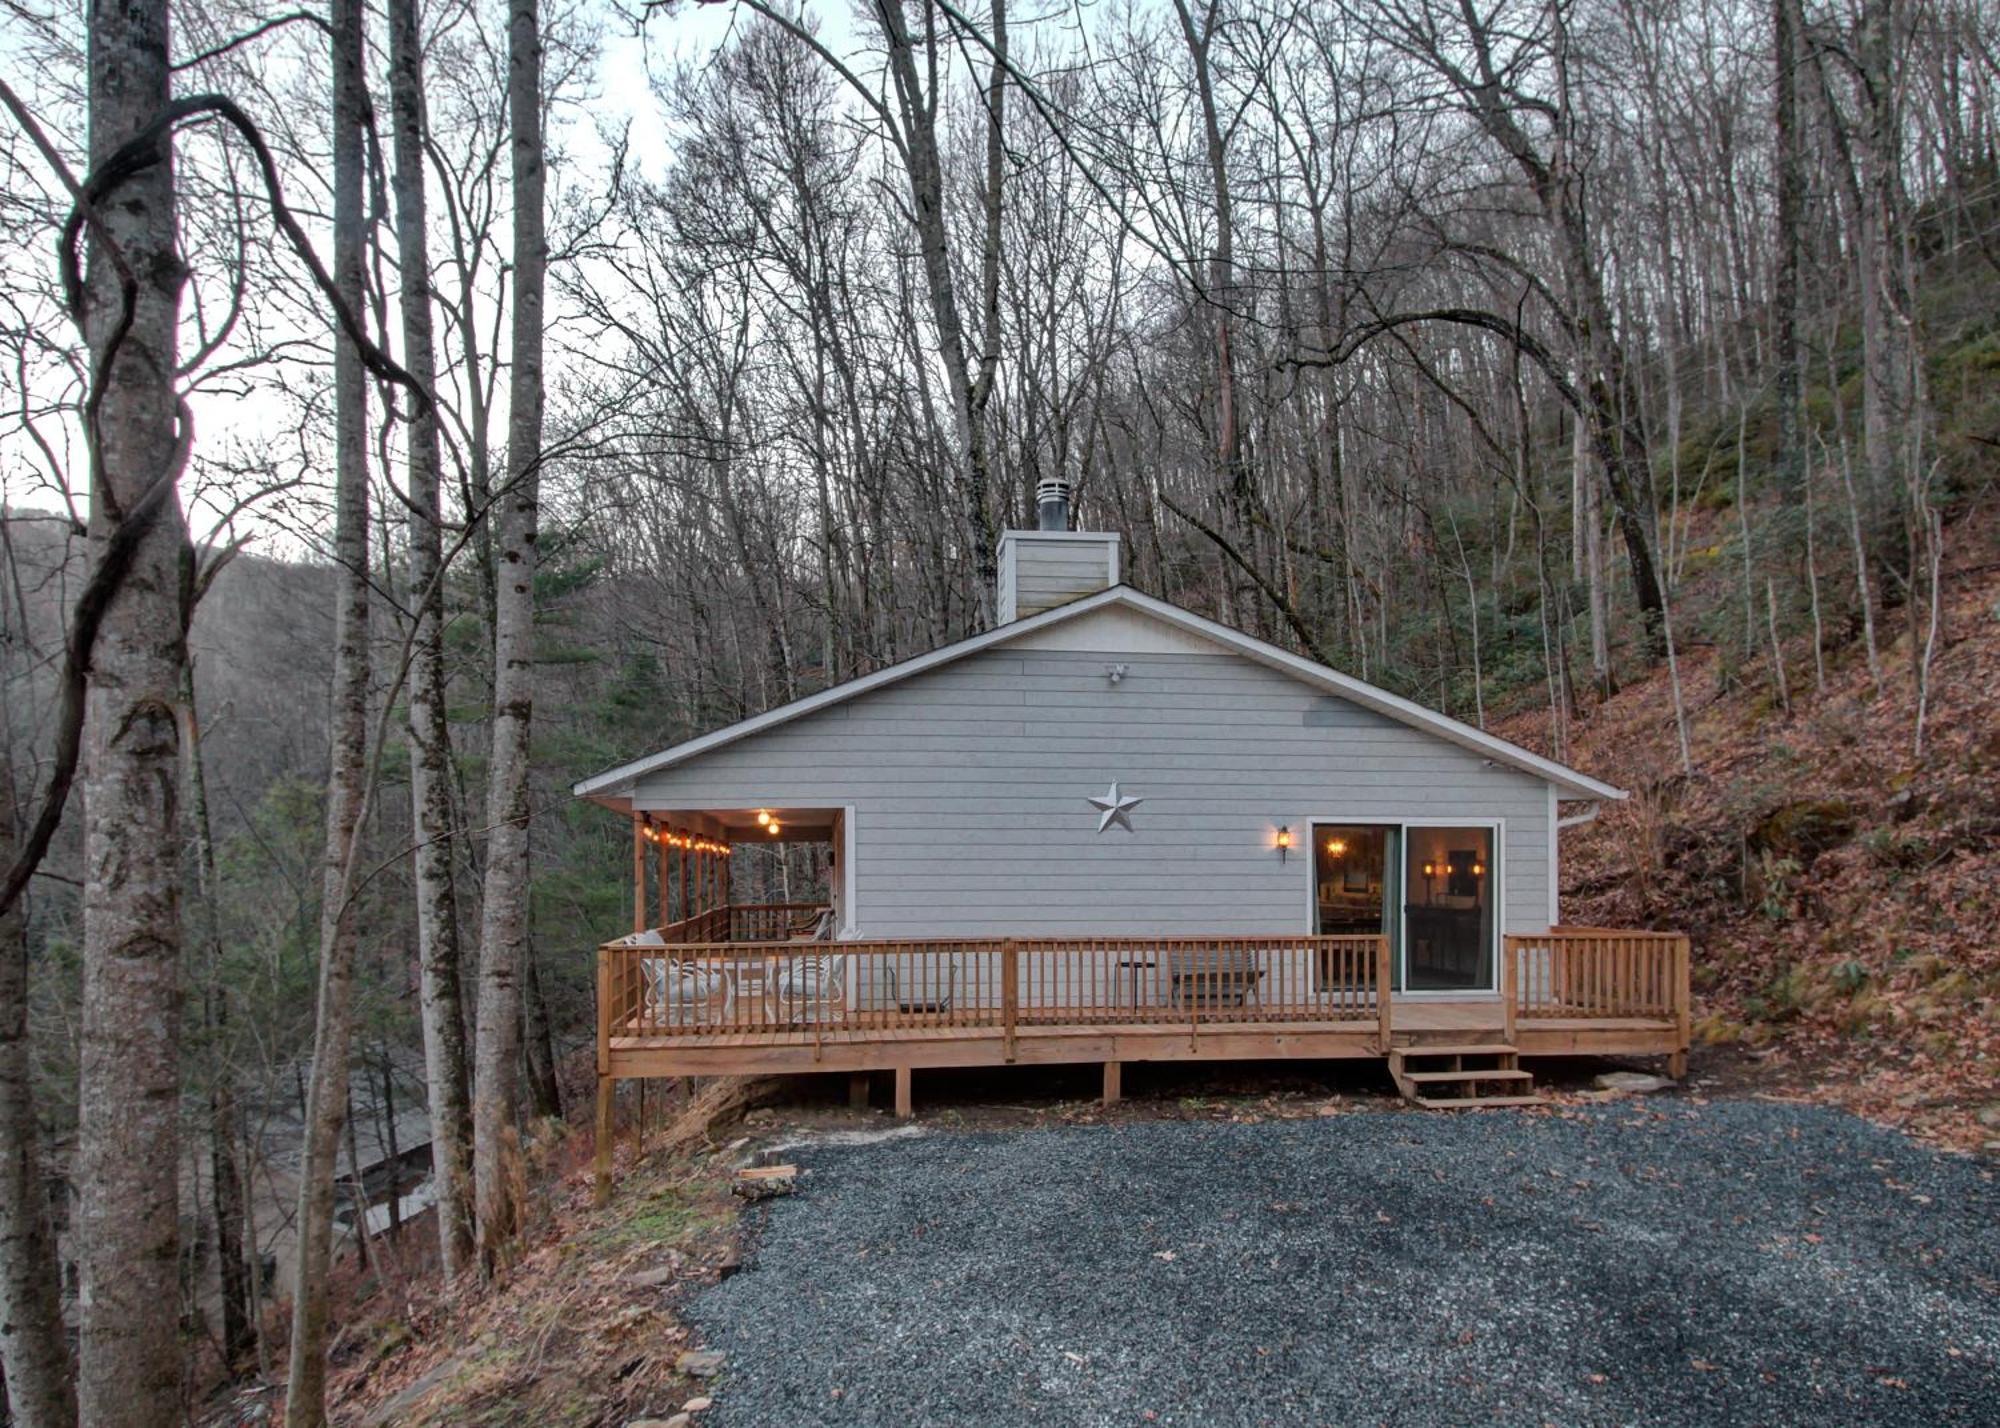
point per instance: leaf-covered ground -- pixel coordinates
(1842, 890)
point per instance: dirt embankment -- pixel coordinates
(1842, 886)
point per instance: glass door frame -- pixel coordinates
(1399, 939)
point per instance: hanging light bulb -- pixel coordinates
(763, 818)
(772, 827)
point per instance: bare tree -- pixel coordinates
(34, 1352)
(504, 933)
(327, 1087)
(429, 733)
(128, 1160)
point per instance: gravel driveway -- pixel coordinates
(1657, 1263)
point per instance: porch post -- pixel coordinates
(687, 887)
(638, 872)
(666, 914)
(1382, 995)
(1510, 983)
(903, 1107)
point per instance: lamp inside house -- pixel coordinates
(1336, 847)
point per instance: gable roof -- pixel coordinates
(617, 783)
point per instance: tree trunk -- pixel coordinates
(969, 392)
(327, 1090)
(128, 1158)
(504, 930)
(445, 1066)
(34, 1353)
(1786, 376)
(232, 1277)
(544, 1094)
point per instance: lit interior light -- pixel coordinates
(1336, 846)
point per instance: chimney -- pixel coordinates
(1052, 565)
(1052, 503)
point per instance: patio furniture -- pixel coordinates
(1213, 976)
(809, 989)
(921, 993)
(684, 994)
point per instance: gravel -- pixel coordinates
(1671, 1262)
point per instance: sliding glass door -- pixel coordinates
(1430, 890)
(1448, 911)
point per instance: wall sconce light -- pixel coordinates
(1114, 672)
(1284, 843)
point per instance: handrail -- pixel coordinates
(1597, 973)
(998, 985)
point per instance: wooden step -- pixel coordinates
(1498, 1073)
(1484, 1048)
(1473, 1103)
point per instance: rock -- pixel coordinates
(1804, 829)
(699, 1363)
(1989, 1116)
(677, 1421)
(1633, 1083)
(728, 1262)
(651, 1278)
(697, 1405)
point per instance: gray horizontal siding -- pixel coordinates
(968, 786)
(1051, 573)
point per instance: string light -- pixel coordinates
(763, 818)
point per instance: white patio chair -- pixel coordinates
(685, 994)
(921, 991)
(810, 989)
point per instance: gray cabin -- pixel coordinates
(1107, 811)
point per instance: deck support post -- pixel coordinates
(639, 1123)
(1383, 997)
(903, 1109)
(1113, 1076)
(857, 1091)
(606, 1088)
(1683, 994)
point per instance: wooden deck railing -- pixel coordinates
(1598, 974)
(724, 973)
(704, 990)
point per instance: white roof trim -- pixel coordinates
(617, 783)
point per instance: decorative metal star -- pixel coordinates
(1115, 808)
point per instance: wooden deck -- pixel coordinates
(748, 990)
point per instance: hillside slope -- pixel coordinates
(1842, 891)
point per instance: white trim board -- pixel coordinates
(614, 787)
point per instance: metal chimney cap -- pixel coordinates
(1052, 503)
